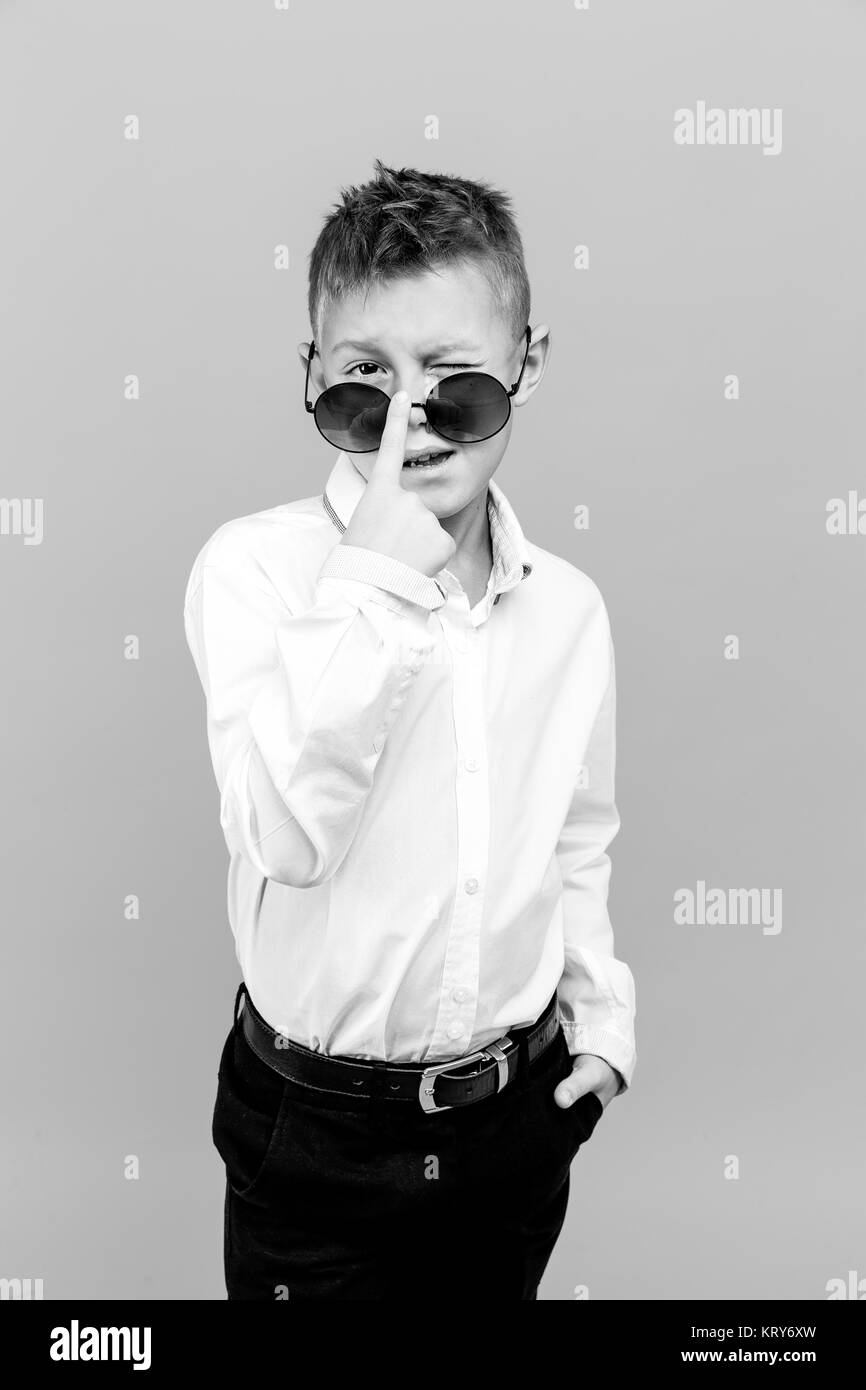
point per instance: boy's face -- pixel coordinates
(407, 335)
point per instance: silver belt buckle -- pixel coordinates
(493, 1052)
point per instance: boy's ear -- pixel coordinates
(316, 377)
(536, 363)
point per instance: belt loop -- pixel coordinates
(242, 989)
(377, 1085)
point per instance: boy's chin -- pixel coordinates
(449, 480)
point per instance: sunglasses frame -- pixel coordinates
(311, 405)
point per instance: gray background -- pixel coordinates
(707, 518)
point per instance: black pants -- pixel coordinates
(363, 1198)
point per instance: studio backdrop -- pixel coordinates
(688, 182)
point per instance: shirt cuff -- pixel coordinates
(372, 567)
(601, 1042)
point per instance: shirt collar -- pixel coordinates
(511, 561)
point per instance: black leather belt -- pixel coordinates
(441, 1086)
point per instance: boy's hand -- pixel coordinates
(589, 1073)
(391, 518)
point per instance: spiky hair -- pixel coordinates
(405, 221)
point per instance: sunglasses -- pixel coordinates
(464, 408)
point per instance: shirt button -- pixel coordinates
(455, 1030)
(460, 995)
(471, 764)
(471, 885)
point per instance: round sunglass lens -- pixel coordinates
(468, 407)
(352, 417)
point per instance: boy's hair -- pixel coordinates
(403, 222)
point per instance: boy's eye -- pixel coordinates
(440, 367)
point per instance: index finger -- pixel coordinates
(388, 463)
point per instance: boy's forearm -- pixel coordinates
(596, 992)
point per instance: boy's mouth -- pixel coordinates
(429, 458)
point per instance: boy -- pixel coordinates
(411, 721)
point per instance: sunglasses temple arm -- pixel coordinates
(528, 335)
(307, 402)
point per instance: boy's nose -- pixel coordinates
(418, 416)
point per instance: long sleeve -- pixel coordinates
(300, 703)
(596, 992)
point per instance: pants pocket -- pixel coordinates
(248, 1116)
(588, 1110)
(563, 1131)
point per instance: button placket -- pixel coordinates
(460, 977)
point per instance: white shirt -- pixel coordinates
(417, 796)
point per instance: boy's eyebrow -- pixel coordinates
(441, 350)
